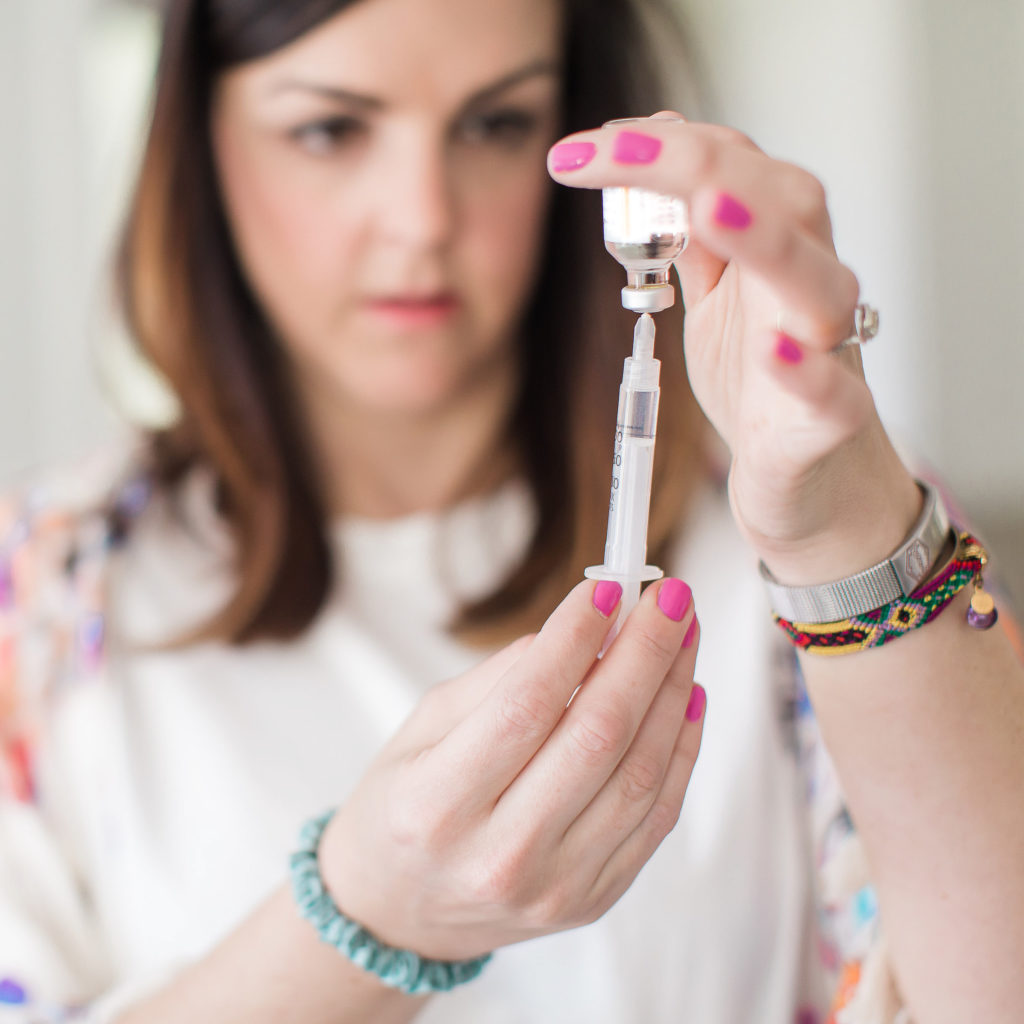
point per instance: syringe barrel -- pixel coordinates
(632, 467)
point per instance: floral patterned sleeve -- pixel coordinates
(55, 541)
(851, 942)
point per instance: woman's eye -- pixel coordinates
(323, 137)
(504, 127)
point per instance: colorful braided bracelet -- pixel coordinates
(398, 968)
(895, 619)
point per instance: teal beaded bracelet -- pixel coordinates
(399, 968)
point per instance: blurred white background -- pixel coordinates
(912, 113)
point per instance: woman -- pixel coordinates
(397, 347)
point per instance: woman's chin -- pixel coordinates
(423, 380)
(409, 375)
(413, 395)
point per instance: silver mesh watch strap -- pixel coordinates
(898, 576)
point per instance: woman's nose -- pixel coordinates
(415, 196)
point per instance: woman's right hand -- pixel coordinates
(500, 811)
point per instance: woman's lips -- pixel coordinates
(413, 310)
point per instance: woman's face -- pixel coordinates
(384, 178)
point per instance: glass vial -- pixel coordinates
(645, 231)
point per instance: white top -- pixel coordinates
(173, 784)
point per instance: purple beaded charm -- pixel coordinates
(983, 613)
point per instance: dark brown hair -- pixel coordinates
(192, 313)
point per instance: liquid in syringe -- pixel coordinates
(625, 552)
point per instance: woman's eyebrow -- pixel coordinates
(330, 92)
(543, 66)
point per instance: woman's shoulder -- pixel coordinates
(56, 521)
(58, 528)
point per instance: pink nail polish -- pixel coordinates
(606, 596)
(691, 632)
(731, 213)
(674, 598)
(788, 350)
(635, 148)
(695, 705)
(568, 156)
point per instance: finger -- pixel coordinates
(636, 849)
(603, 719)
(669, 115)
(491, 745)
(819, 294)
(675, 157)
(445, 705)
(661, 154)
(829, 400)
(628, 795)
(699, 271)
(716, 131)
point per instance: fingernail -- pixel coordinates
(695, 705)
(674, 598)
(788, 350)
(567, 156)
(606, 596)
(691, 632)
(731, 213)
(635, 148)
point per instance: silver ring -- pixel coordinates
(865, 327)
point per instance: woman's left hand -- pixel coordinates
(814, 483)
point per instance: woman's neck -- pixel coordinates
(382, 464)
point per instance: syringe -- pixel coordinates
(625, 551)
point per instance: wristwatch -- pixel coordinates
(897, 576)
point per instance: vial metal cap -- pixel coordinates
(649, 298)
(648, 291)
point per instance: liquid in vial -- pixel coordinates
(645, 231)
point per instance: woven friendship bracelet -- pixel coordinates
(892, 620)
(397, 968)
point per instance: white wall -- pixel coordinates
(911, 112)
(46, 397)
